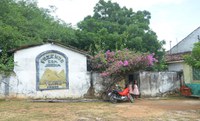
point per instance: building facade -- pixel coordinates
(175, 60)
(49, 70)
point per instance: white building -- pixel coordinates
(190, 76)
(49, 70)
(185, 46)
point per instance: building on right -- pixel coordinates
(189, 76)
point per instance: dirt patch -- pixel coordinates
(140, 110)
(167, 109)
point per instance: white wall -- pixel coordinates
(156, 83)
(8, 85)
(151, 84)
(25, 70)
(175, 66)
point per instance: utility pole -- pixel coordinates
(170, 47)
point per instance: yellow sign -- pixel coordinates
(51, 70)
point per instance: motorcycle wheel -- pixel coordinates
(112, 99)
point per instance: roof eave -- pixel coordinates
(178, 61)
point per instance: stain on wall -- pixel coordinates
(154, 83)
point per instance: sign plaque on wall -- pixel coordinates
(52, 70)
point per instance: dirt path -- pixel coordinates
(184, 109)
(170, 110)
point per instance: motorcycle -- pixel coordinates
(117, 95)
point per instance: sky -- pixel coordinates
(172, 20)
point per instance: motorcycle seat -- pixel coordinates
(124, 92)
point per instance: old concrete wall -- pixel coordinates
(8, 85)
(154, 83)
(11, 85)
(151, 84)
(97, 83)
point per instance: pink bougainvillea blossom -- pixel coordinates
(125, 63)
(121, 61)
(109, 56)
(104, 74)
(151, 59)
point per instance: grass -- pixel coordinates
(143, 109)
(1, 100)
(28, 111)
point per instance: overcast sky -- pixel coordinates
(172, 20)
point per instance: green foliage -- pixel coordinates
(6, 62)
(116, 28)
(23, 23)
(110, 28)
(194, 59)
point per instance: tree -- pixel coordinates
(23, 23)
(194, 59)
(118, 64)
(115, 28)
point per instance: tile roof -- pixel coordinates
(175, 57)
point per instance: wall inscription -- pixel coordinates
(52, 70)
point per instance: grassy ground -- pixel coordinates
(140, 110)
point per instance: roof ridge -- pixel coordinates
(185, 37)
(51, 42)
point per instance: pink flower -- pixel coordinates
(107, 52)
(104, 74)
(120, 63)
(125, 63)
(151, 59)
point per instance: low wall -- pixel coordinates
(156, 83)
(12, 87)
(8, 85)
(150, 84)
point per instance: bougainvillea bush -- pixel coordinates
(121, 62)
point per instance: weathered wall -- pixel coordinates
(151, 84)
(25, 70)
(154, 83)
(8, 85)
(97, 83)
